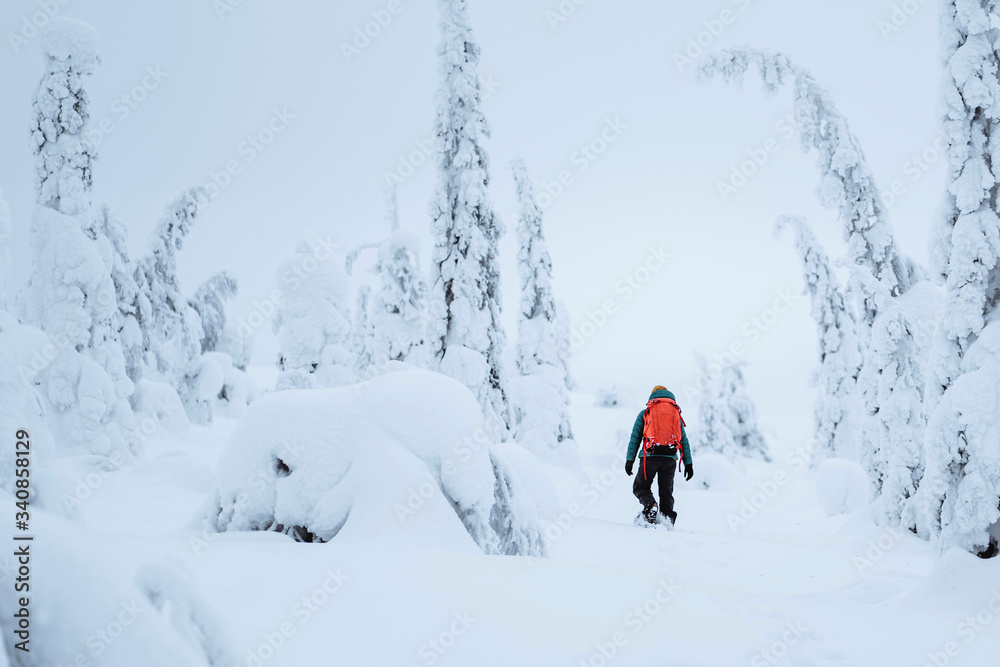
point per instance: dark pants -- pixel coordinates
(664, 469)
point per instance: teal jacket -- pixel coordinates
(636, 440)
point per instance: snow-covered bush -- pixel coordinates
(614, 395)
(836, 410)
(229, 389)
(842, 486)
(727, 419)
(20, 405)
(405, 456)
(541, 397)
(466, 334)
(71, 297)
(312, 322)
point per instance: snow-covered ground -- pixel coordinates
(754, 573)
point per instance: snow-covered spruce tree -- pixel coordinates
(891, 435)
(466, 336)
(209, 301)
(839, 354)
(959, 496)
(541, 397)
(71, 295)
(399, 314)
(172, 329)
(727, 418)
(312, 322)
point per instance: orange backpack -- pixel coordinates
(662, 427)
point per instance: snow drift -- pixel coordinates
(404, 457)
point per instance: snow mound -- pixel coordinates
(83, 612)
(842, 486)
(960, 584)
(718, 474)
(404, 457)
(69, 38)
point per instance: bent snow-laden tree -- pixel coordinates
(541, 395)
(467, 336)
(172, 329)
(727, 418)
(960, 492)
(839, 355)
(891, 380)
(71, 295)
(209, 301)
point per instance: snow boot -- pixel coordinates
(649, 513)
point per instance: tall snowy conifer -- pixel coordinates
(959, 496)
(839, 355)
(467, 338)
(541, 395)
(891, 380)
(71, 295)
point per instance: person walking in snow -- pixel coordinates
(660, 434)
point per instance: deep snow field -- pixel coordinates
(755, 573)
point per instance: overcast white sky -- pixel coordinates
(557, 88)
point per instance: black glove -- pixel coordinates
(688, 471)
(628, 468)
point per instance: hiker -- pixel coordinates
(659, 432)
